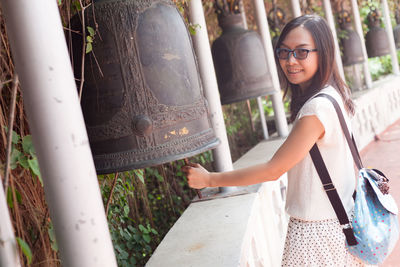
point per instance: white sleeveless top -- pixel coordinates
(306, 198)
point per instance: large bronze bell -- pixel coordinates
(240, 62)
(351, 43)
(396, 31)
(377, 41)
(142, 98)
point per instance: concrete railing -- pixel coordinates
(249, 229)
(376, 109)
(243, 230)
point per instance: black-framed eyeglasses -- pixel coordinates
(298, 53)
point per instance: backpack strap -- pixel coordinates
(332, 195)
(350, 139)
(326, 180)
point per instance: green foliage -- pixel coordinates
(379, 66)
(10, 197)
(193, 27)
(145, 204)
(131, 240)
(268, 108)
(398, 56)
(26, 250)
(23, 154)
(89, 39)
(232, 125)
(52, 237)
(76, 6)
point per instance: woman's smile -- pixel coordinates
(294, 71)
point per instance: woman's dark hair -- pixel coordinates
(327, 72)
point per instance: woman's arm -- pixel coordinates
(299, 142)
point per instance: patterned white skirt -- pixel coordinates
(319, 243)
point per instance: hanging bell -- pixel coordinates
(396, 31)
(377, 41)
(240, 62)
(276, 21)
(142, 98)
(351, 43)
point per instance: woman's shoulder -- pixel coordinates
(316, 100)
(317, 104)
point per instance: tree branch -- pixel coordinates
(10, 131)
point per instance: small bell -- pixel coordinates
(351, 43)
(377, 41)
(396, 31)
(239, 60)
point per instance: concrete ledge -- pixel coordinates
(208, 233)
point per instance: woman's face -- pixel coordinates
(299, 71)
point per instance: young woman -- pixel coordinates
(306, 55)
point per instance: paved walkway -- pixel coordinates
(384, 154)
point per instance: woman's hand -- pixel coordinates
(198, 177)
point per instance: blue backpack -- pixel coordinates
(373, 231)
(375, 224)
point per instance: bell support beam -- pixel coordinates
(331, 23)
(389, 31)
(222, 154)
(55, 118)
(277, 103)
(296, 8)
(259, 100)
(358, 24)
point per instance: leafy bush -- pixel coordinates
(379, 66)
(144, 205)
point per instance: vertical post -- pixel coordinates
(357, 79)
(262, 118)
(262, 24)
(8, 245)
(296, 8)
(259, 101)
(243, 13)
(331, 23)
(358, 24)
(389, 32)
(222, 155)
(55, 118)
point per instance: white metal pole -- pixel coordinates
(8, 245)
(331, 23)
(55, 118)
(222, 154)
(263, 28)
(389, 32)
(259, 100)
(262, 118)
(358, 24)
(296, 8)
(243, 13)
